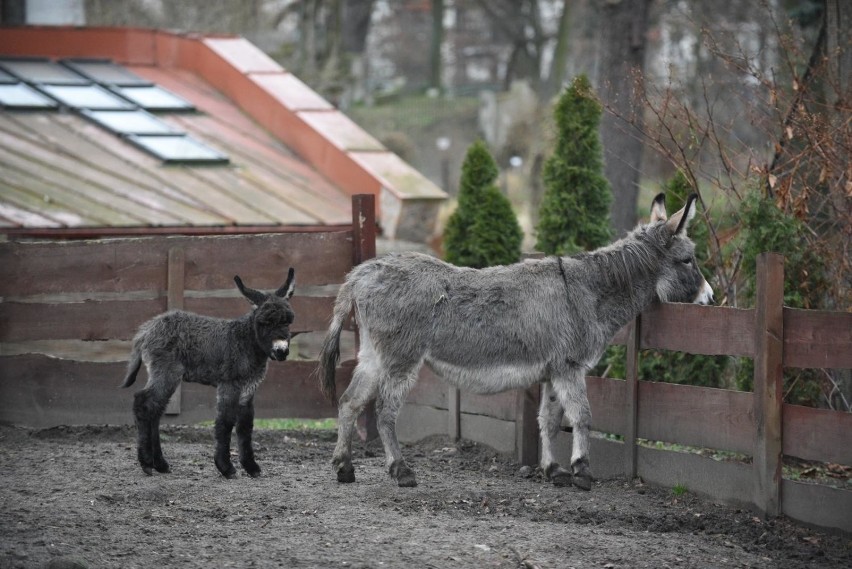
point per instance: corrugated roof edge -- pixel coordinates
(254, 82)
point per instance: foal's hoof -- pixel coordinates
(226, 469)
(162, 467)
(346, 474)
(582, 474)
(147, 470)
(252, 469)
(403, 475)
(558, 475)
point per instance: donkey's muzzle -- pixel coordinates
(705, 295)
(280, 350)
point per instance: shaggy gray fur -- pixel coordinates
(498, 328)
(231, 355)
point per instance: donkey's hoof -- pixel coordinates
(252, 469)
(147, 470)
(558, 475)
(403, 475)
(162, 467)
(582, 474)
(226, 468)
(346, 474)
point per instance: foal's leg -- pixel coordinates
(572, 393)
(352, 402)
(245, 426)
(148, 406)
(550, 415)
(227, 403)
(390, 400)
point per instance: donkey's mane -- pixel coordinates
(619, 264)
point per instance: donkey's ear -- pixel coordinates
(679, 221)
(254, 296)
(658, 208)
(287, 288)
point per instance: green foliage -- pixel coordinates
(765, 227)
(679, 490)
(483, 231)
(574, 212)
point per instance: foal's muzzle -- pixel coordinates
(705, 295)
(280, 350)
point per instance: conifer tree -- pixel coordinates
(483, 231)
(574, 212)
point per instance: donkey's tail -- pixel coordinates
(330, 353)
(133, 366)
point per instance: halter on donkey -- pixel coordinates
(498, 328)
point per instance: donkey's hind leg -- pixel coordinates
(390, 400)
(572, 394)
(360, 391)
(550, 415)
(149, 404)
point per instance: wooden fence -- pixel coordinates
(80, 300)
(96, 293)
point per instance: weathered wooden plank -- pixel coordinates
(817, 339)
(817, 505)
(729, 482)
(768, 382)
(817, 434)
(710, 330)
(174, 301)
(313, 313)
(696, 416)
(496, 433)
(89, 320)
(38, 391)
(606, 457)
(416, 422)
(52, 214)
(497, 405)
(120, 265)
(631, 398)
(429, 390)
(607, 401)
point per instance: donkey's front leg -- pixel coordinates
(550, 415)
(227, 403)
(572, 394)
(245, 426)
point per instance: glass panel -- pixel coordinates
(104, 71)
(178, 149)
(86, 97)
(6, 78)
(43, 71)
(155, 98)
(130, 122)
(22, 96)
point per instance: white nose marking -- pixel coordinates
(705, 295)
(280, 345)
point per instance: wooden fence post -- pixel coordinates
(174, 301)
(526, 412)
(631, 394)
(454, 413)
(526, 424)
(363, 249)
(768, 382)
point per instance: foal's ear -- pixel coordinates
(254, 296)
(287, 288)
(679, 221)
(658, 208)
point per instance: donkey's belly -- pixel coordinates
(487, 379)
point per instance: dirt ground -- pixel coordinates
(74, 497)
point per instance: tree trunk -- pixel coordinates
(622, 63)
(560, 52)
(436, 68)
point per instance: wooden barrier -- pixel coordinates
(96, 294)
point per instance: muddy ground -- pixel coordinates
(75, 495)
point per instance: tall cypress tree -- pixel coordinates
(575, 209)
(483, 231)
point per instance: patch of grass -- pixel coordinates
(289, 424)
(679, 490)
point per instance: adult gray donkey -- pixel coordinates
(506, 327)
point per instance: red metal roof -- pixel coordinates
(294, 160)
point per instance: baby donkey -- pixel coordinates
(229, 354)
